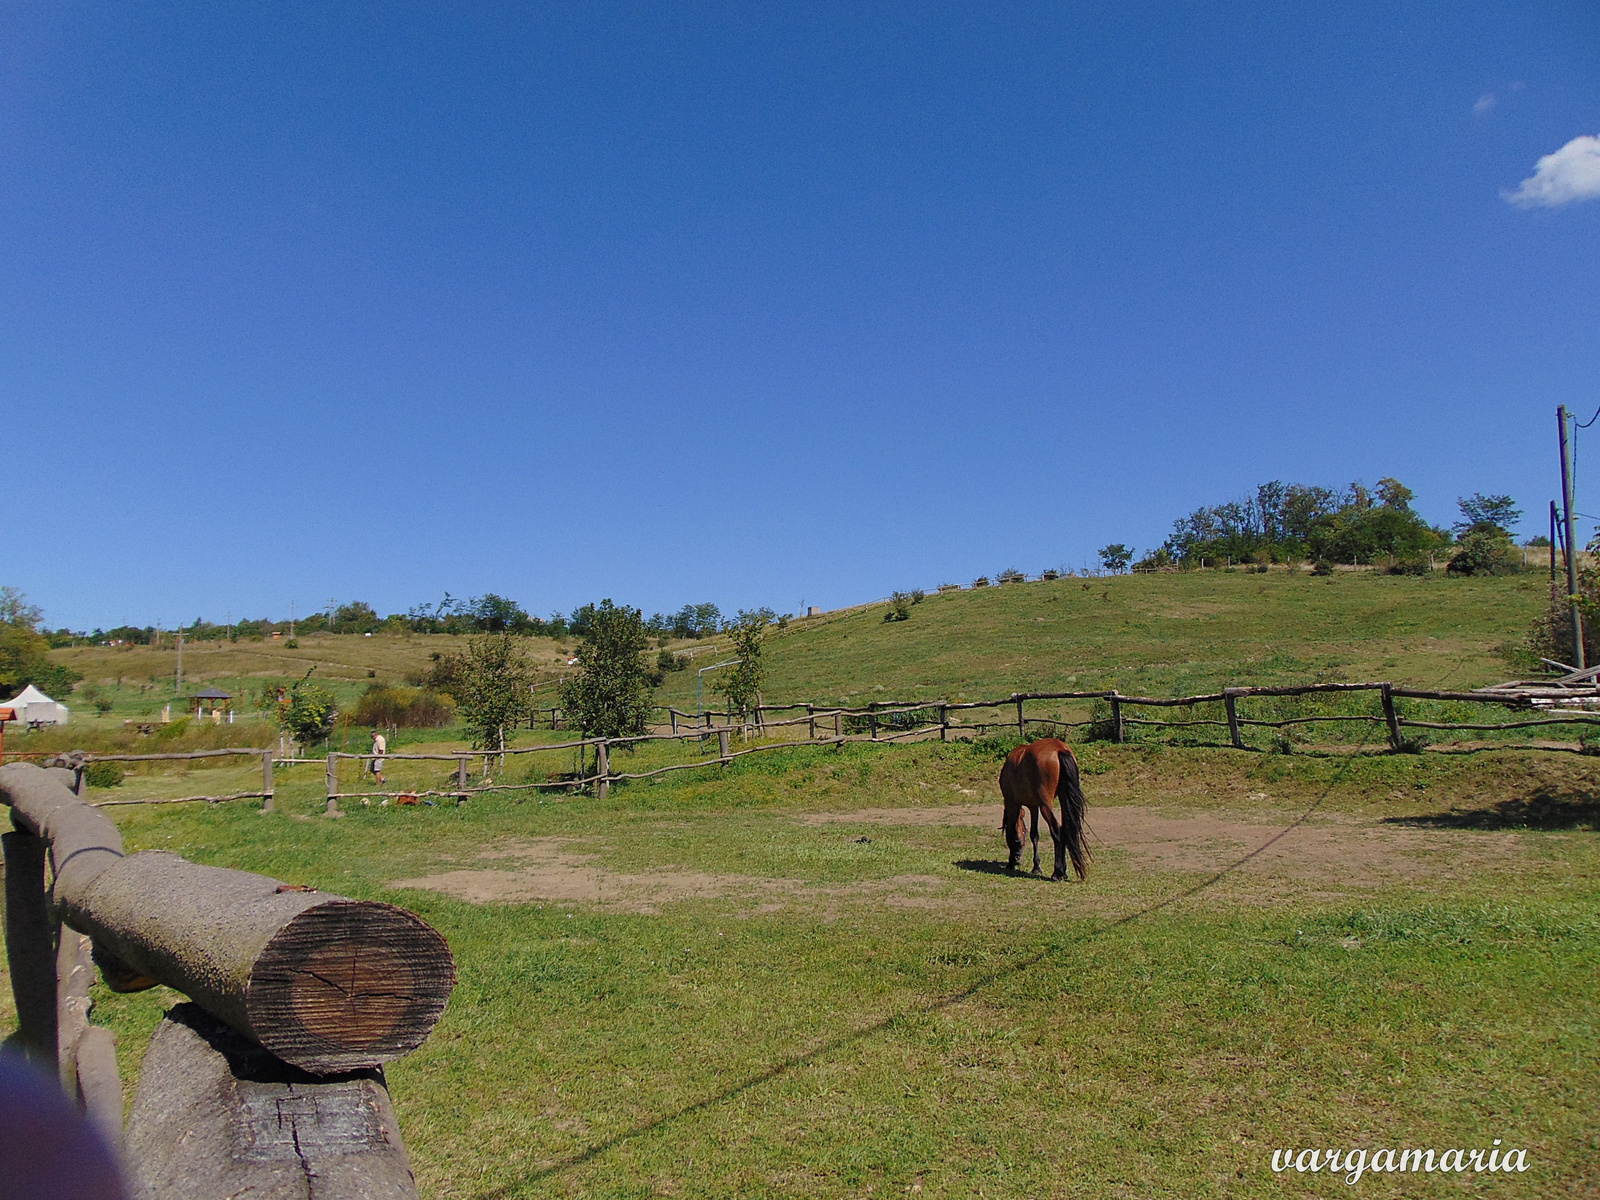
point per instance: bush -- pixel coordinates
(899, 608)
(1485, 553)
(918, 595)
(981, 581)
(1052, 573)
(1419, 564)
(104, 774)
(307, 713)
(1011, 575)
(668, 661)
(406, 708)
(1322, 567)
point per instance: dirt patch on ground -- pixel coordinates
(1338, 850)
(544, 869)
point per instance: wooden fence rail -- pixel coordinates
(878, 721)
(255, 956)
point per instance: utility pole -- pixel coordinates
(291, 620)
(1563, 427)
(178, 677)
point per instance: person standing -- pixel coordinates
(380, 747)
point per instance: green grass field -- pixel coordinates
(807, 974)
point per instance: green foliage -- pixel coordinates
(356, 617)
(307, 712)
(1115, 557)
(899, 607)
(104, 774)
(1322, 567)
(1290, 521)
(1010, 575)
(403, 707)
(981, 581)
(741, 683)
(1485, 551)
(610, 694)
(493, 687)
(1487, 514)
(24, 651)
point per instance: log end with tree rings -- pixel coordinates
(349, 984)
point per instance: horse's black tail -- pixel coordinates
(1070, 792)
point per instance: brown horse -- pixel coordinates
(1033, 775)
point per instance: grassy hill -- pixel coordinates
(1152, 634)
(1157, 634)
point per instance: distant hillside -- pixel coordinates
(1162, 634)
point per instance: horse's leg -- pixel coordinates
(1034, 834)
(1056, 836)
(1011, 823)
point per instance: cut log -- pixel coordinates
(215, 1115)
(325, 983)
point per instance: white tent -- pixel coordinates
(34, 707)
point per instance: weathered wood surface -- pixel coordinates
(215, 1115)
(324, 982)
(30, 947)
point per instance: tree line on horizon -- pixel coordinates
(1291, 523)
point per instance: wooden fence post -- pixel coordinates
(461, 777)
(1117, 733)
(333, 784)
(266, 781)
(1022, 726)
(602, 769)
(811, 723)
(31, 947)
(722, 745)
(944, 722)
(80, 780)
(1391, 717)
(873, 718)
(672, 715)
(1230, 701)
(838, 725)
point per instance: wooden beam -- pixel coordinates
(324, 982)
(217, 1116)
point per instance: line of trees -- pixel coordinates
(1295, 522)
(489, 613)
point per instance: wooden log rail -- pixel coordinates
(323, 982)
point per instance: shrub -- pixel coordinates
(899, 608)
(1485, 552)
(1419, 564)
(1011, 575)
(981, 581)
(668, 661)
(104, 774)
(307, 713)
(918, 595)
(407, 708)
(1052, 573)
(1322, 567)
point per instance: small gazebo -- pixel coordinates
(215, 699)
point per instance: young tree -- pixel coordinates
(307, 712)
(24, 651)
(492, 686)
(1115, 557)
(1487, 514)
(610, 695)
(742, 683)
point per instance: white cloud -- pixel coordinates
(1571, 173)
(1485, 102)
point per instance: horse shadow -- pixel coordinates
(1547, 808)
(988, 866)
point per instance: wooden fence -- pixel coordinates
(879, 721)
(270, 1081)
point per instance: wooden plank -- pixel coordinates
(1118, 733)
(266, 781)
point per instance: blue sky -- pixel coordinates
(762, 304)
